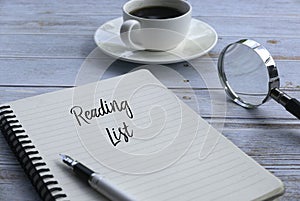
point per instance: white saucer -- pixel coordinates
(200, 39)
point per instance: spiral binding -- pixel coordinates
(28, 156)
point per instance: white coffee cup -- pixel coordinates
(155, 34)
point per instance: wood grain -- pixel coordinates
(49, 71)
(75, 24)
(239, 8)
(79, 46)
(43, 45)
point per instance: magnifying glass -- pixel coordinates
(249, 75)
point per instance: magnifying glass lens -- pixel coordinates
(246, 74)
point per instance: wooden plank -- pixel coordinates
(58, 46)
(8, 94)
(214, 104)
(272, 8)
(210, 104)
(67, 72)
(50, 7)
(39, 71)
(88, 24)
(51, 24)
(79, 46)
(244, 8)
(275, 148)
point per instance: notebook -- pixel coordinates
(138, 135)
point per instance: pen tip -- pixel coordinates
(62, 156)
(67, 159)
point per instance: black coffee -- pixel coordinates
(156, 12)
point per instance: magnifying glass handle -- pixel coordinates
(291, 104)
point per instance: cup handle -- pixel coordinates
(125, 32)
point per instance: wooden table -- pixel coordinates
(43, 44)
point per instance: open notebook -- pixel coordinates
(139, 135)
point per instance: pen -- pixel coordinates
(96, 181)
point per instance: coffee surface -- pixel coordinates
(156, 12)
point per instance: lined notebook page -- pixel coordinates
(165, 150)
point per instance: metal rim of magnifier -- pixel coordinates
(269, 62)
